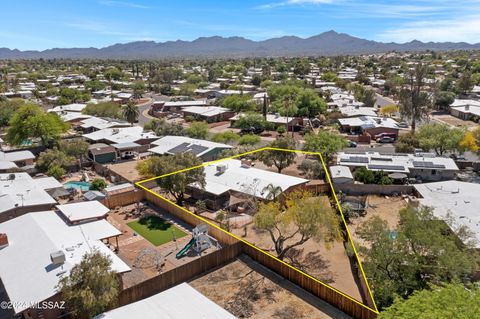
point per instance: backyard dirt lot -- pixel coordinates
(328, 263)
(453, 121)
(385, 207)
(249, 290)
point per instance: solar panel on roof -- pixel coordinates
(383, 159)
(179, 148)
(355, 159)
(387, 167)
(197, 149)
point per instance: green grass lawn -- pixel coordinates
(156, 230)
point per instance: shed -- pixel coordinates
(94, 195)
(340, 174)
(82, 211)
(102, 153)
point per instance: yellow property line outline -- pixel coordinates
(139, 184)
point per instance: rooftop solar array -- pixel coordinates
(419, 164)
(387, 167)
(179, 148)
(197, 149)
(355, 159)
(383, 159)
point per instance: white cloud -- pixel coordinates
(294, 2)
(460, 29)
(124, 4)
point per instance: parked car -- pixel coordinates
(385, 139)
(352, 143)
(251, 130)
(403, 124)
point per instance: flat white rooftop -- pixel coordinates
(171, 145)
(272, 118)
(99, 123)
(21, 190)
(460, 200)
(47, 182)
(179, 302)
(120, 135)
(83, 210)
(205, 110)
(186, 103)
(16, 156)
(75, 107)
(245, 179)
(25, 266)
(366, 122)
(401, 163)
(339, 171)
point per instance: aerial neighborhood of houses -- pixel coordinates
(238, 188)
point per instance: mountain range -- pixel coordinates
(325, 44)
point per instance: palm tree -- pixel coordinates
(272, 191)
(130, 112)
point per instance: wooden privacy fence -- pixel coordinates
(233, 248)
(180, 274)
(123, 199)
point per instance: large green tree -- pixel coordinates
(175, 184)
(414, 99)
(239, 103)
(325, 143)
(303, 217)
(197, 130)
(421, 250)
(8, 108)
(440, 138)
(104, 109)
(279, 159)
(31, 122)
(440, 302)
(251, 120)
(91, 287)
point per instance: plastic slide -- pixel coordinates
(185, 249)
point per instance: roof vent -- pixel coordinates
(221, 168)
(57, 257)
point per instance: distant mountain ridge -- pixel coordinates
(325, 44)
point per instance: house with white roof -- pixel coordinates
(94, 123)
(40, 248)
(209, 114)
(456, 202)
(175, 106)
(467, 110)
(20, 193)
(75, 107)
(130, 134)
(372, 125)
(231, 178)
(422, 166)
(19, 158)
(275, 119)
(171, 145)
(179, 302)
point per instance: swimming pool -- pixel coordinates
(83, 186)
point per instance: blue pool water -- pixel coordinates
(83, 186)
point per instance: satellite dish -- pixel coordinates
(11, 177)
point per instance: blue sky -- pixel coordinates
(33, 24)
